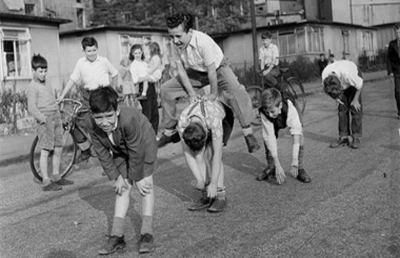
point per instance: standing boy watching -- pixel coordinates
(269, 60)
(43, 107)
(126, 147)
(200, 61)
(342, 81)
(277, 114)
(205, 129)
(90, 72)
(393, 65)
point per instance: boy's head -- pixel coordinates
(271, 102)
(104, 107)
(322, 56)
(331, 57)
(332, 87)
(89, 46)
(195, 136)
(39, 67)
(266, 38)
(154, 49)
(179, 26)
(397, 30)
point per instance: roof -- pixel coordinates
(291, 25)
(32, 19)
(102, 28)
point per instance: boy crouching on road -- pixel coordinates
(205, 127)
(278, 113)
(126, 147)
(43, 107)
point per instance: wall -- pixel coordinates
(369, 13)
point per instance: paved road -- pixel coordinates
(351, 209)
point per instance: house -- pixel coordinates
(114, 43)
(22, 36)
(306, 38)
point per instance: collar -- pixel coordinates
(193, 39)
(96, 60)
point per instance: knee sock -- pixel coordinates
(221, 193)
(118, 226)
(147, 225)
(301, 154)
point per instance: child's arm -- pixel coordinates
(32, 106)
(198, 168)
(268, 133)
(67, 88)
(296, 130)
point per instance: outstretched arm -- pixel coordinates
(67, 88)
(185, 79)
(196, 164)
(216, 166)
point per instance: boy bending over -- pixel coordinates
(278, 113)
(126, 147)
(201, 127)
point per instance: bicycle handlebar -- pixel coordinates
(76, 102)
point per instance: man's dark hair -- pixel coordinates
(88, 42)
(195, 136)
(186, 19)
(266, 35)
(332, 87)
(38, 61)
(103, 99)
(133, 48)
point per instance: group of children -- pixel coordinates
(124, 140)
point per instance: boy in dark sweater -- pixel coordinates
(126, 147)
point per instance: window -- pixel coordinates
(80, 18)
(127, 17)
(367, 43)
(15, 52)
(315, 42)
(30, 9)
(127, 41)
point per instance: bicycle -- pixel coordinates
(289, 86)
(69, 110)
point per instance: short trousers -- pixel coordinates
(51, 133)
(123, 168)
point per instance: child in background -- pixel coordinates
(129, 89)
(43, 107)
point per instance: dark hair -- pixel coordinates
(396, 26)
(331, 55)
(38, 61)
(154, 49)
(195, 136)
(88, 42)
(332, 86)
(133, 48)
(186, 19)
(322, 54)
(266, 35)
(103, 99)
(270, 98)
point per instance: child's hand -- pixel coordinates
(280, 174)
(144, 186)
(120, 185)
(356, 104)
(211, 190)
(294, 170)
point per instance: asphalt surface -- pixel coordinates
(351, 208)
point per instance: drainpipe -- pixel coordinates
(254, 37)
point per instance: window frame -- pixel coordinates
(3, 63)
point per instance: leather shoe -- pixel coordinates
(164, 139)
(113, 244)
(252, 144)
(341, 142)
(202, 203)
(146, 243)
(218, 205)
(302, 176)
(266, 174)
(355, 144)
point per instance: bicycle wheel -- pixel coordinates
(297, 91)
(67, 159)
(255, 97)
